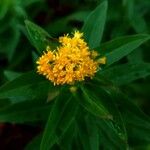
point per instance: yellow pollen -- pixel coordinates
(71, 61)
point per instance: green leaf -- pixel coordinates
(65, 22)
(27, 111)
(107, 98)
(109, 137)
(26, 3)
(136, 19)
(78, 16)
(137, 123)
(94, 25)
(4, 6)
(93, 105)
(34, 144)
(88, 133)
(61, 116)
(116, 49)
(11, 36)
(66, 140)
(129, 6)
(139, 24)
(138, 129)
(11, 75)
(38, 37)
(126, 73)
(136, 56)
(112, 131)
(126, 104)
(27, 86)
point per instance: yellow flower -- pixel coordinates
(71, 61)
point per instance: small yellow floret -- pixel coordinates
(73, 89)
(102, 60)
(71, 61)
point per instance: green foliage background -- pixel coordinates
(109, 112)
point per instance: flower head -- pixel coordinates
(71, 61)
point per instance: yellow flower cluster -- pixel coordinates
(71, 61)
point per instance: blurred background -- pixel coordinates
(17, 55)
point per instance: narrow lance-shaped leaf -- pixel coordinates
(39, 38)
(29, 86)
(66, 140)
(112, 131)
(93, 105)
(107, 98)
(136, 56)
(11, 40)
(137, 123)
(116, 49)
(61, 117)
(34, 143)
(27, 111)
(94, 25)
(4, 6)
(138, 129)
(126, 73)
(109, 137)
(88, 133)
(11, 75)
(136, 19)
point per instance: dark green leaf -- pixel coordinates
(129, 5)
(137, 123)
(4, 6)
(94, 25)
(39, 38)
(79, 15)
(136, 19)
(138, 129)
(120, 47)
(88, 133)
(136, 56)
(11, 75)
(108, 101)
(109, 137)
(11, 37)
(29, 86)
(126, 73)
(34, 144)
(27, 111)
(66, 140)
(139, 24)
(59, 120)
(65, 22)
(93, 105)
(28, 3)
